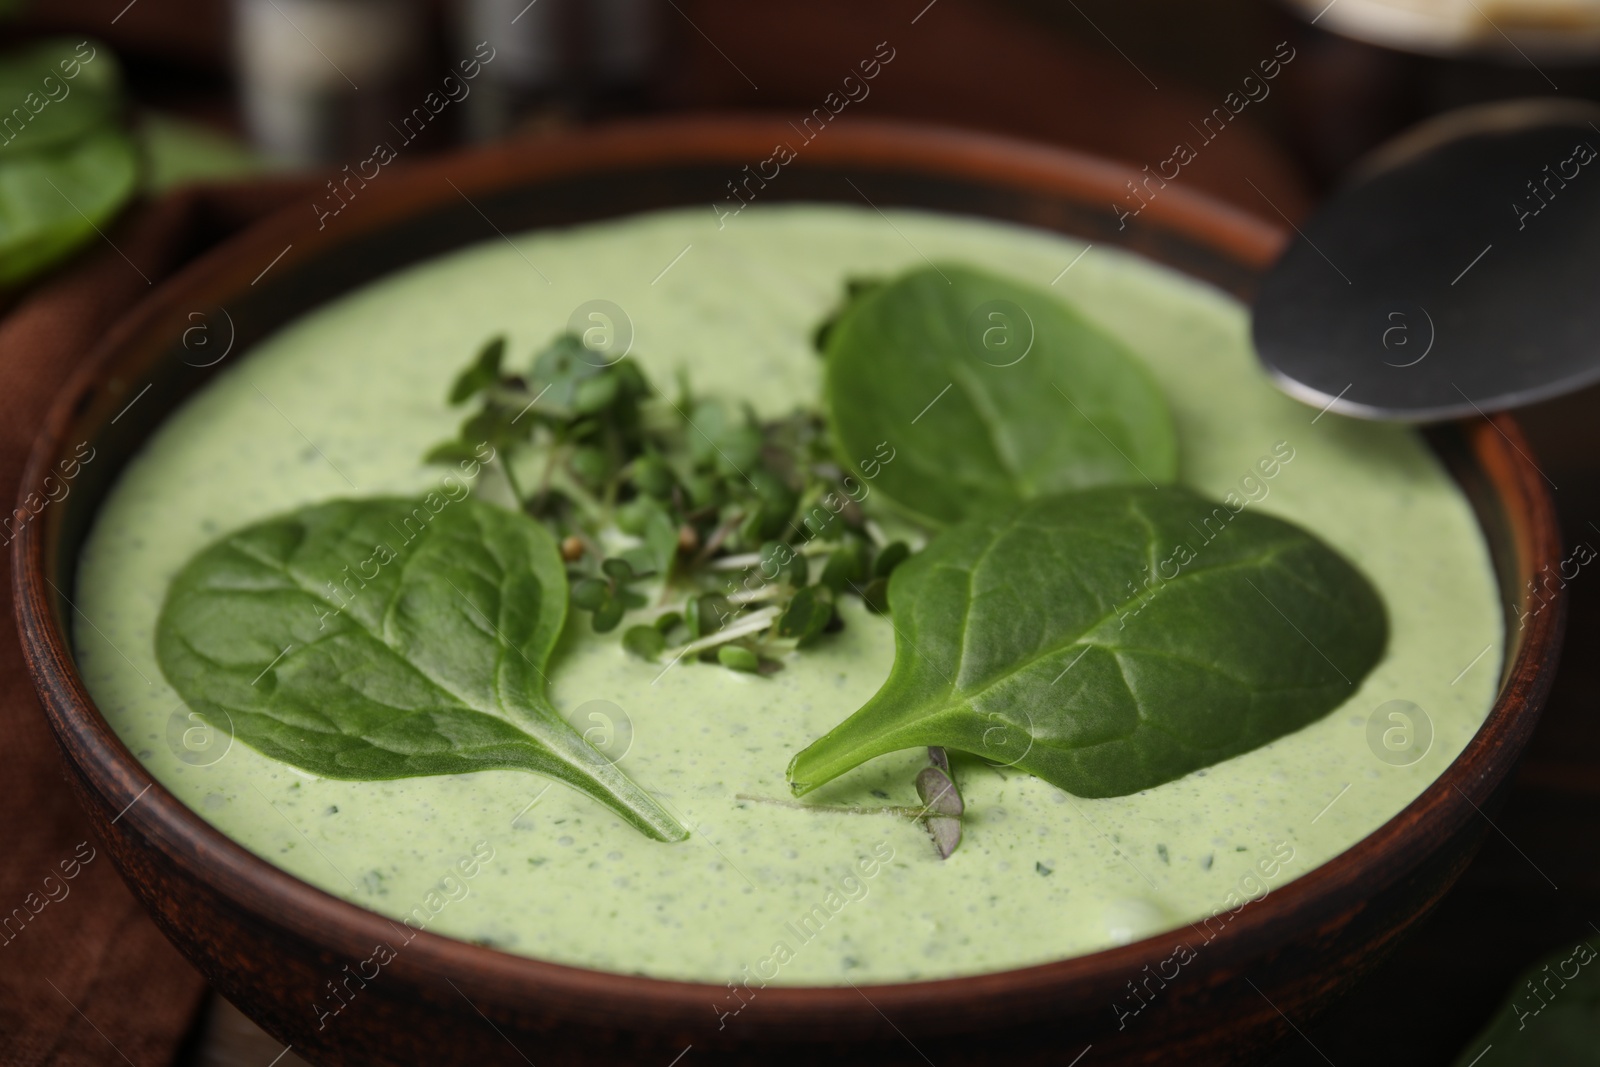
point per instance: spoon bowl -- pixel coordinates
(1451, 277)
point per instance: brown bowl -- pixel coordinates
(270, 942)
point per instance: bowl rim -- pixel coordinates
(273, 896)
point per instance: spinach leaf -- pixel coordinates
(48, 107)
(1112, 639)
(388, 638)
(481, 373)
(52, 200)
(1551, 1017)
(66, 165)
(992, 392)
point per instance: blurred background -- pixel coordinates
(232, 84)
(272, 94)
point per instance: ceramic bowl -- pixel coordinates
(269, 942)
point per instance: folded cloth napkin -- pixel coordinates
(85, 977)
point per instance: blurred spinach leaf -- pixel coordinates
(52, 201)
(67, 165)
(54, 92)
(1551, 1018)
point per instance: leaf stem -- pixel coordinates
(770, 591)
(743, 561)
(719, 535)
(753, 624)
(842, 749)
(511, 480)
(902, 810)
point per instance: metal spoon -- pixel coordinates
(1458, 271)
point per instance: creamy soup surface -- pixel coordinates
(345, 400)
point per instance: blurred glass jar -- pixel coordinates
(564, 58)
(320, 79)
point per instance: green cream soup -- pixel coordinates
(345, 400)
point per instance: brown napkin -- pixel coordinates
(85, 978)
